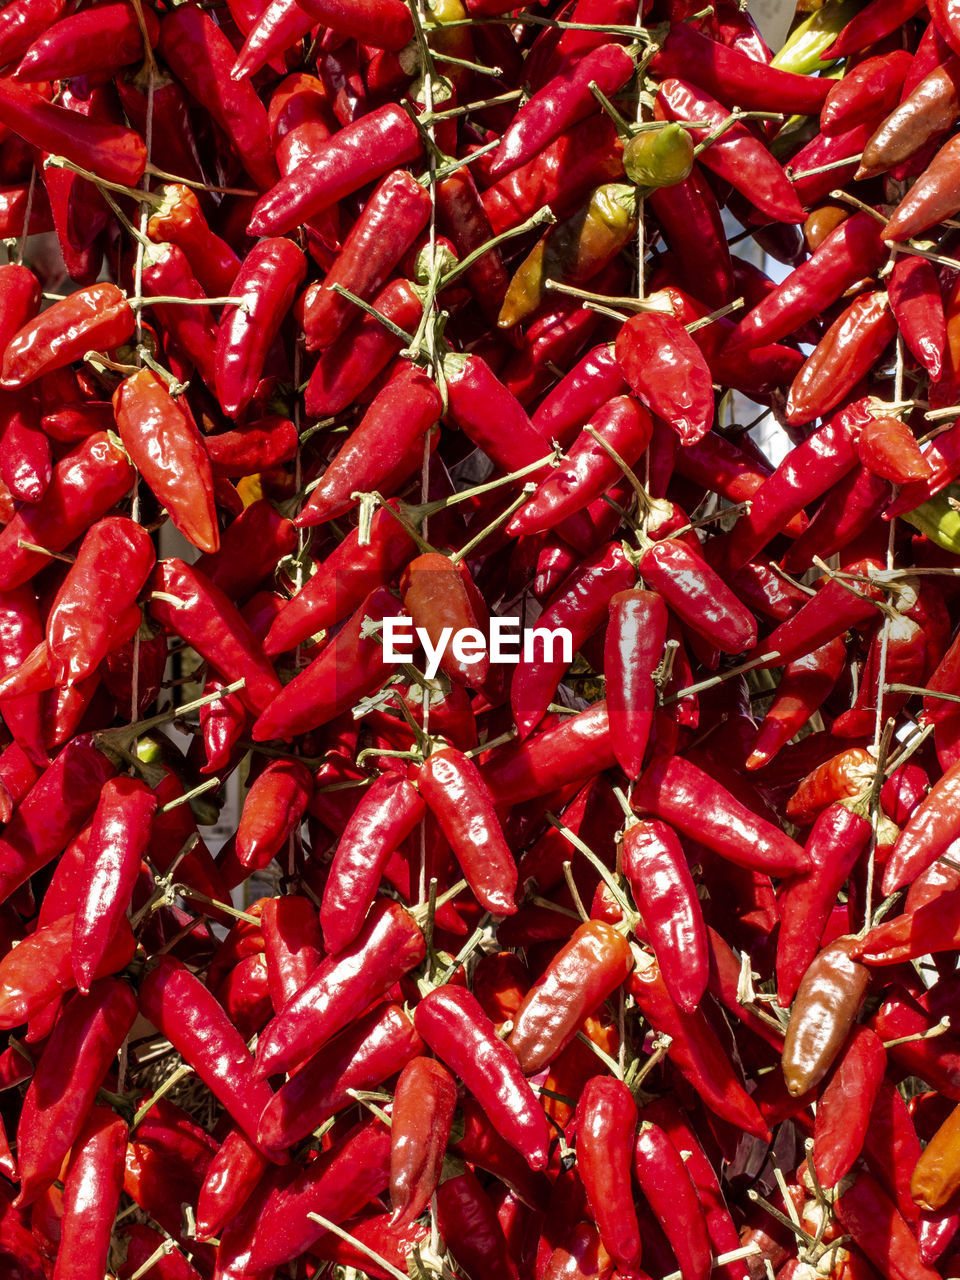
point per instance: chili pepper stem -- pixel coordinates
(540, 218)
(619, 897)
(782, 1218)
(124, 735)
(161, 1251)
(186, 891)
(654, 302)
(173, 1078)
(658, 1050)
(719, 679)
(494, 524)
(44, 551)
(931, 1033)
(574, 891)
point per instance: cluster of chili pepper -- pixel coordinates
(325, 952)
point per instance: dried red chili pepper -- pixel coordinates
(457, 796)
(595, 961)
(91, 1195)
(272, 811)
(454, 1025)
(660, 1170)
(666, 370)
(606, 1126)
(374, 1048)
(845, 1105)
(389, 810)
(663, 889)
(75, 1059)
(388, 946)
(879, 1230)
(424, 1102)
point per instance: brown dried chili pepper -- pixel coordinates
(440, 597)
(826, 1004)
(423, 1107)
(591, 966)
(455, 1027)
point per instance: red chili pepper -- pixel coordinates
(876, 20)
(91, 1195)
(367, 1053)
(74, 46)
(695, 1050)
(838, 838)
(118, 840)
(697, 595)
(835, 608)
(681, 794)
(457, 796)
(845, 1105)
(111, 151)
(364, 150)
(272, 811)
(266, 283)
(561, 103)
(470, 1229)
(351, 363)
(53, 812)
(927, 835)
(292, 945)
(388, 946)
(75, 1059)
(666, 370)
(183, 1010)
(633, 650)
(487, 412)
(179, 220)
(231, 1177)
(880, 1231)
(736, 156)
(670, 1191)
(25, 461)
(606, 1126)
(199, 54)
(350, 667)
(423, 1107)
(188, 604)
(394, 425)
(442, 599)
(97, 596)
(663, 889)
(595, 961)
(383, 819)
(257, 446)
(22, 23)
(804, 686)
(454, 1025)
(95, 318)
(577, 748)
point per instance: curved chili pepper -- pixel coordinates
(695, 1050)
(927, 834)
(845, 1105)
(457, 796)
(91, 1195)
(736, 155)
(75, 1059)
(697, 595)
(367, 1053)
(838, 838)
(577, 748)
(934, 196)
(670, 1191)
(877, 1227)
(350, 667)
(393, 216)
(826, 1004)
(179, 220)
(199, 54)
(397, 420)
(805, 684)
(606, 1125)
(589, 469)
(351, 363)
(383, 819)
(832, 611)
(272, 811)
(95, 318)
(388, 946)
(733, 76)
(454, 1025)
(850, 348)
(677, 791)
(183, 1010)
(923, 114)
(424, 1102)
(593, 964)
(185, 601)
(266, 283)
(663, 889)
(561, 103)
(361, 152)
(74, 46)
(22, 23)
